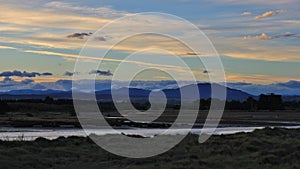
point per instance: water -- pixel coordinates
(28, 134)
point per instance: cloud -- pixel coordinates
(56, 42)
(67, 73)
(160, 44)
(246, 13)
(27, 81)
(291, 84)
(11, 28)
(290, 87)
(46, 74)
(56, 15)
(254, 2)
(288, 34)
(100, 38)
(79, 35)
(269, 50)
(44, 18)
(8, 84)
(7, 47)
(17, 73)
(269, 54)
(205, 71)
(104, 11)
(268, 14)
(238, 83)
(95, 58)
(257, 78)
(66, 85)
(102, 73)
(264, 36)
(7, 80)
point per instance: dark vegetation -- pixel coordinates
(51, 112)
(37, 105)
(4, 107)
(267, 149)
(265, 102)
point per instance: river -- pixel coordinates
(29, 134)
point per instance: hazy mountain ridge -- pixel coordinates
(204, 92)
(289, 88)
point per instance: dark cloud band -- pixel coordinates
(23, 74)
(101, 72)
(79, 35)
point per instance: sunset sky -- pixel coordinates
(258, 41)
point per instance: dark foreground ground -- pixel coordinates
(61, 113)
(229, 118)
(262, 149)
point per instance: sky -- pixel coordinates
(258, 41)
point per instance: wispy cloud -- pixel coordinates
(258, 2)
(257, 78)
(268, 14)
(67, 73)
(7, 47)
(10, 28)
(95, 59)
(266, 55)
(264, 36)
(101, 72)
(104, 11)
(49, 19)
(288, 87)
(61, 26)
(79, 35)
(246, 13)
(8, 84)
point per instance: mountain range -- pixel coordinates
(189, 93)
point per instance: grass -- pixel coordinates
(267, 149)
(229, 118)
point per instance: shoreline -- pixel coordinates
(31, 134)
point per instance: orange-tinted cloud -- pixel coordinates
(264, 36)
(246, 13)
(268, 14)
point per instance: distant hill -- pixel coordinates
(291, 98)
(31, 92)
(204, 92)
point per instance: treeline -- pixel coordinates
(264, 102)
(4, 107)
(291, 105)
(37, 105)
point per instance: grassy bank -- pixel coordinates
(229, 118)
(268, 148)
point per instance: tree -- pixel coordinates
(270, 102)
(251, 104)
(4, 107)
(49, 100)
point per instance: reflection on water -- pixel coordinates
(9, 134)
